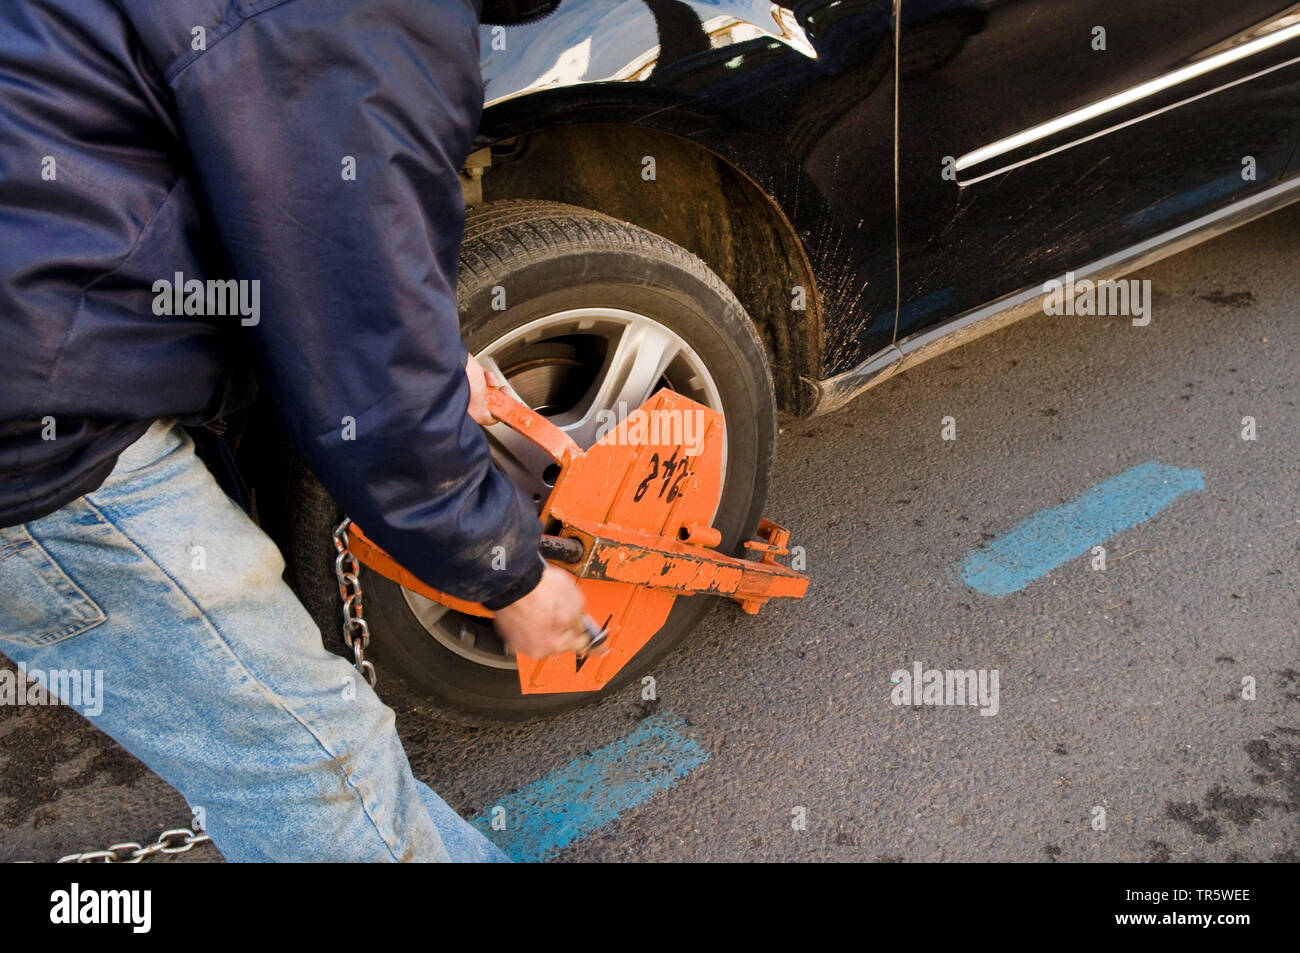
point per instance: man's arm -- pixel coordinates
(326, 139)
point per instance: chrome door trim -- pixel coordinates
(1135, 94)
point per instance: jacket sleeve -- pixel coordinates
(326, 140)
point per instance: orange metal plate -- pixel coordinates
(639, 477)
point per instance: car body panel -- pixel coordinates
(1061, 156)
(1181, 94)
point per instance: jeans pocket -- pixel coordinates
(39, 602)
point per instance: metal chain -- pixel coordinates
(356, 633)
(175, 841)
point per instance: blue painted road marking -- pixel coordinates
(1054, 536)
(578, 799)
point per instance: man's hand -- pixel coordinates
(478, 385)
(548, 620)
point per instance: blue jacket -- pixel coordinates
(196, 195)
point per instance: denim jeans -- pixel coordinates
(213, 674)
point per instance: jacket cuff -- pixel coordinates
(519, 588)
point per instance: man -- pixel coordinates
(194, 195)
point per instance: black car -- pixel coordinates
(773, 208)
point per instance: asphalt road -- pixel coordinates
(1118, 689)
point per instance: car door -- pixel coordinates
(1036, 136)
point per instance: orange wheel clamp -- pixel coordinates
(631, 519)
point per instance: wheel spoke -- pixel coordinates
(520, 458)
(638, 359)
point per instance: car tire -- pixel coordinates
(522, 261)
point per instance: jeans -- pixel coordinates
(213, 674)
